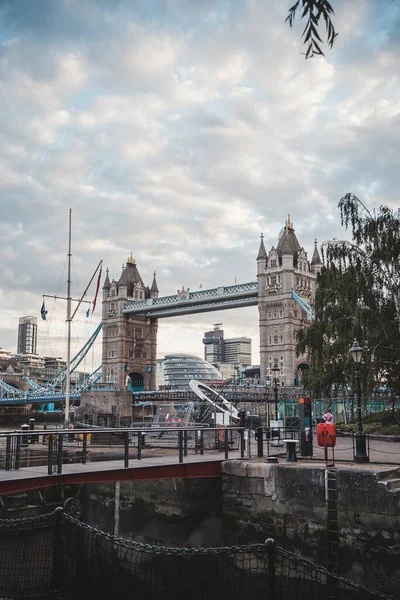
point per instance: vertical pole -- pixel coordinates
(59, 453)
(226, 443)
(139, 445)
(241, 434)
(260, 442)
(50, 456)
(17, 452)
(201, 442)
(185, 442)
(8, 453)
(117, 497)
(58, 559)
(126, 450)
(68, 367)
(271, 549)
(84, 448)
(180, 442)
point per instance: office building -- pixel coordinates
(217, 350)
(27, 335)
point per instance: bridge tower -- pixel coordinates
(129, 341)
(282, 269)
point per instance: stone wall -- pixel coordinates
(94, 403)
(170, 512)
(287, 502)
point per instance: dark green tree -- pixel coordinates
(358, 296)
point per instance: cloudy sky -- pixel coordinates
(179, 130)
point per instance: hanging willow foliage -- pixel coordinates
(358, 296)
(316, 12)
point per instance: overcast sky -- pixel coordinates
(179, 130)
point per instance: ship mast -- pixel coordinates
(68, 382)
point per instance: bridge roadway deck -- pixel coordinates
(160, 467)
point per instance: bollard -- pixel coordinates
(32, 438)
(24, 438)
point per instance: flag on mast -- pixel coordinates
(97, 290)
(43, 311)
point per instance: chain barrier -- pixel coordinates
(56, 556)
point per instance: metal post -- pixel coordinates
(58, 556)
(8, 453)
(50, 456)
(201, 442)
(361, 448)
(226, 443)
(185, 442)
(84, 448)
(260, 442)
(180, 443)
(126, 450)
(59, 453)
(17, 452)
(276, 399)
(271, 549)
(241, 434)
(117, 497)
(139, 446)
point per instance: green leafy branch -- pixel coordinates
(315, 11)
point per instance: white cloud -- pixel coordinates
(181, 135)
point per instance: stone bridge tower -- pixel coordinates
(129, 342)
(282, 269)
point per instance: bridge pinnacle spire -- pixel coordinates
(107, 283)
(262, 254)
(154, 288)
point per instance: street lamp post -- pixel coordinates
(275, 369)
(361, 455)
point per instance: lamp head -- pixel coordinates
(356, 352)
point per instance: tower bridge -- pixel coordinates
(186, 302)
(284, 293)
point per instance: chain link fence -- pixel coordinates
(56, 557)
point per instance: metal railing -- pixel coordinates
(55, 447)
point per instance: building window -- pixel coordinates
(270, 340)
(273, 280)
(269, 314)
(281, 313)
(281, 339)
(273, 263)
(275, 339)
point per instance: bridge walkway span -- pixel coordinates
(165, 467)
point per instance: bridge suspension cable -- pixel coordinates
(304, 305)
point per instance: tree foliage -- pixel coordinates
(315, 12)
(358, 296)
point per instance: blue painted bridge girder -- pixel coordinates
(187, 302)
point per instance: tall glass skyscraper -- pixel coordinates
(27, 335)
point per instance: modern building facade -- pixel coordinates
(281, 270)
(217, 350)
(179, 369)
(27, 335)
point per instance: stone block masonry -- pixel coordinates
(288, 502)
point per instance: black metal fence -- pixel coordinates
(54, 556)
